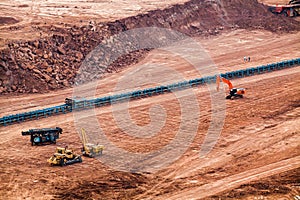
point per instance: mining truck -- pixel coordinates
(43, 136)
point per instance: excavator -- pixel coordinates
(233, 92)
(88, 149)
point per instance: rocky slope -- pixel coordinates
(52, 62)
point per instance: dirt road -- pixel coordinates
(236, 180)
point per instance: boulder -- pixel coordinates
(3, 89)
(61, 50)
(36, 44)
(39, 52)
(30, 66)
(47, 77)
(37, 71)
(49, 70)
(14, 87)
(23, 66)
(66, 83)
(79, 56)
(44, 65)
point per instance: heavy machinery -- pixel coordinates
(64, 156)
(44, 135)
(233, 92)
(88, 149)
(292, 9)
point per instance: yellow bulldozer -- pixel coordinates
(64, 156)
(88, 149)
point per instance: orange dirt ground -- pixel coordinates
(257, 155)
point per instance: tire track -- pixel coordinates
(236, 180)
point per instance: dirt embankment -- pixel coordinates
(280, 185)
(102, 187)
(52, 62)
(122, 185)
